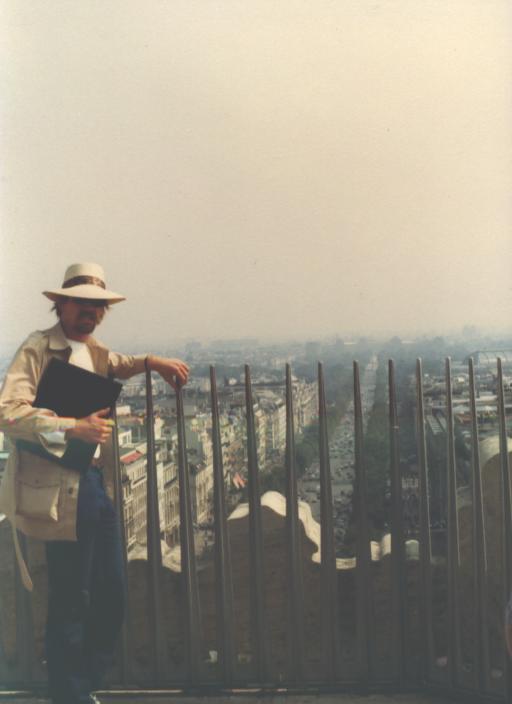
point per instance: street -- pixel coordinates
(341, 458)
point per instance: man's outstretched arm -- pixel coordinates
(173, 371)
(124, 366)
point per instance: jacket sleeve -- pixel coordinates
(124, 366)
(18, 418)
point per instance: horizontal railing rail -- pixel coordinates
(280, 617)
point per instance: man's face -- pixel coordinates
(79, 316)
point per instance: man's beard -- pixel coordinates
(86, 322)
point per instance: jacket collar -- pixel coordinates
(58, 341)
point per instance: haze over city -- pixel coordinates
(259, 169)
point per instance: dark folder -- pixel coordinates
(72, 392)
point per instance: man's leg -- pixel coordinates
(108, 588)
(67, 679)
(69, 583)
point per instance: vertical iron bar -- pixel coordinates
(294, 546)
(397, 534)
(330, 649)
(364, 586)
(258, 614)
(507, 515)
(453, 550)
(425, 587)
(154, 548)
(481, 645)
(223, 573)
(119, 504)
(188, 557)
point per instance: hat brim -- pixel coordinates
(95, 293)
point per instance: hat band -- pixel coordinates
(78, 280)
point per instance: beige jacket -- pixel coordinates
(38, 496)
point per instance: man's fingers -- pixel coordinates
(104, 435)
(103, 412)
(174, 371)
(180, 373)
(185, 371)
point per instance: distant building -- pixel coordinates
(201, 476)
(489, 358)
(134, 484)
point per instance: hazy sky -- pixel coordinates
(263, 168)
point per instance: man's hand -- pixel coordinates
(93, 429)
(174, 371)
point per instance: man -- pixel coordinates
(71, 511)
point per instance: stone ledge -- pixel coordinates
(178, 698)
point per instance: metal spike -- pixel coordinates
(119, 504)
(506, 515)
(188, 559)
(258, 612)
(482, 661)
(153, 541)
(397, 534)
(425, 582)
(364, 589)
(295, 584)
(453, 552)
(330, 647)
(223, 572)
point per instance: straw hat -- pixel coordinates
(85, 280)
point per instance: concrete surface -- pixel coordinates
(153, 698)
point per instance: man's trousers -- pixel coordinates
(86, 597)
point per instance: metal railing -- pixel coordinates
(418, 659)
